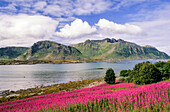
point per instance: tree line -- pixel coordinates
(142, 73)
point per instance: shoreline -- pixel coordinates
(32, 62)
(9, 95)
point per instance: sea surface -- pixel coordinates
(15, 77)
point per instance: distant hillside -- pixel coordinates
(48, 50)
(90, 49)
(11, 52)
(118, 49)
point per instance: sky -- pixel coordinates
(144, 22)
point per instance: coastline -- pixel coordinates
(160, 59)
(31, 62)
(9, 95)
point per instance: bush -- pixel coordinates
(125, 73)
(145, 73)
(127, 79)
(110, 76)
(164, 68)
(121, 79)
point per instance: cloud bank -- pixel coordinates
(76, 29)
(110, 26)
(25, 29)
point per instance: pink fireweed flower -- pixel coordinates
(141, 96)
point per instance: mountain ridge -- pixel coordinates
(50, 50)
(118, 49)
(90, 49)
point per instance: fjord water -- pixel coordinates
(15, 77)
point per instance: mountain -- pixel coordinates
(118, 49)
(11, 52)
(90, 49)
(49, 50)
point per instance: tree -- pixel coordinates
(164, 68)
(125, 73)
(167, 70)
(145, 73)
(110, 76)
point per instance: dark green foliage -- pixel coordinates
(164, 68)
(145, 73)
(11, 52)
(127, 79)
(110, 76)
(125, 73)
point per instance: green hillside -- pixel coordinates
(11, 52)
(48, 50)
(90, 49)
(118, 49)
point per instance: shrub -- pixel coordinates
(110, 76)
(121, 79)
(125, 73)
(127, 79)
(164, 68)
(145, 73)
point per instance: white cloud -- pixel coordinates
(76, 29)
(128, 3)
(20, 29)
(157, 34)
(110, 26)
(149, 15)
(67, 8)
(39, 5)
(156, 24)
(77, 32)
(54, 10)
(10, 8)
(79, 7)
(83, 7)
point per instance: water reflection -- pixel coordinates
(15, 77)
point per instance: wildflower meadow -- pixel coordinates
(104, 97)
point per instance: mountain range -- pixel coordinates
(90, 49)
(118, 49)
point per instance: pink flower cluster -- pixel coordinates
(140, 96)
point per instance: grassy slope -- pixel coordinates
(48, 50)
(11, 52)
(94, 49)
(118, 50)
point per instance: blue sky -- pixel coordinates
(145, 22)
